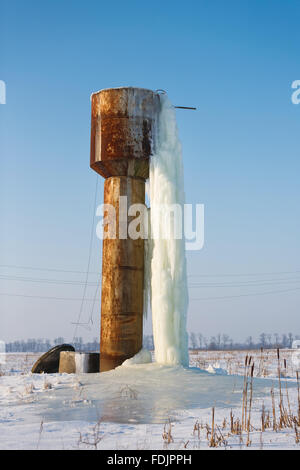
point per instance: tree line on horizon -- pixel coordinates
(222, 342)
(197, 341)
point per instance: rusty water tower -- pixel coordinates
(123, 130)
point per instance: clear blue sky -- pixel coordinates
(235, 60)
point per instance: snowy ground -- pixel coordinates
(146, 407)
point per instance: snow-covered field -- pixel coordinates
(150, 406)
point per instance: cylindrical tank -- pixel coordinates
(123, 131)
(123, 135)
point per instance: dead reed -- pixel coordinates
(269, 420)
(91, 439)
(167, 434)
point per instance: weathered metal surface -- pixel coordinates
(123, 129)
(48, 363)
(122, 281)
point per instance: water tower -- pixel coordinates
(123, 131)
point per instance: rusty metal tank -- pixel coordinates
(123, 138)
(123, 131)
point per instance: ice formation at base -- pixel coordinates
(142, 357)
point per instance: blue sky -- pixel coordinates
(235, 61)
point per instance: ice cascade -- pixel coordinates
(166, 260)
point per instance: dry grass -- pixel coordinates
(40, 433)
(128, 393)
(167, 434)
(47, 385)
(234, 363)
(92, 439)
(280, 417)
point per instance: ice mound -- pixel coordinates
(142, 357)
(141, 393)
(216, 369)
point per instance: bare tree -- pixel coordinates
(200, 339)
(193, 341)
(291, 339)
(225, 340)
(262, 339)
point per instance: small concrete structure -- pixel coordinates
(296, 344)
(72, 362)
(48, 363)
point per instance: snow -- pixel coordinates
(296, 359)
(216, 369)
(169, 293)
(129, 408)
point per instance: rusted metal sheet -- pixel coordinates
(123, 129)
(122, 281)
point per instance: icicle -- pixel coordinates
(169, 294)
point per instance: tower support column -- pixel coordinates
(122, 279)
